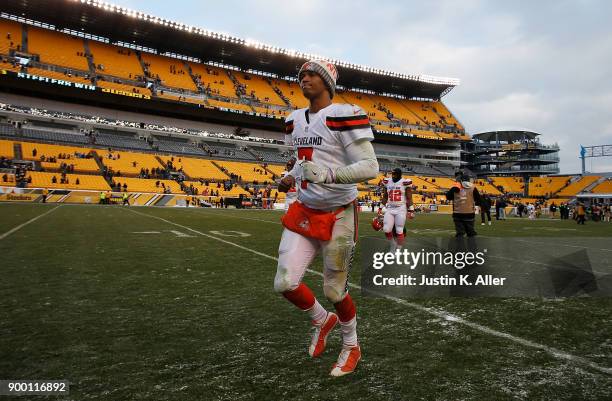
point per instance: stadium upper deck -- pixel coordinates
(143, 63)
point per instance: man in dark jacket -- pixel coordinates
(465, 197)
(485, 209)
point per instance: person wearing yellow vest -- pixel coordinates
(465, 197)
(45, 193)
(126, 200)
(102, 197)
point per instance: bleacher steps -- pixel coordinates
(220, 168)
(101, 167)
(145, 70)
(17, 151)
(24, 38)
(590, 187)
(193, 78)
(90, 63)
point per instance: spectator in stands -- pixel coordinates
(54, 180)
(77, 182)
(34, 152)
(5, 178)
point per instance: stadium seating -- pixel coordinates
(69, 154)
(128, 162)
(7, 149)
(179, 147)
(485, 188)
(259, 88)
(120, 141)
(603, 187)
(578, 185)
(269, 155)
(510, 184)
(276, 169)
(55, 136)
(248, 171)
(10, 179)
(448, 116)
(57, 48)
(10, 35)
(7, 65)
(546, 186)
(148, 185)
(116, 61)
(292, 91)
(214, 78)
(364, 101)
(171, 72)
(45, 180)
(206, 190)
(393, 106)
(196, 168)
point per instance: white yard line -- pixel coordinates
(19, 227)
(435, 312)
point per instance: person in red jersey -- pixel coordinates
(334, 153)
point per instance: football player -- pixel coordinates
(334, 153)
(397, 198)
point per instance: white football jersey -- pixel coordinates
(396, 191)
(322, 138)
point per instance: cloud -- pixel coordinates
(542, 66)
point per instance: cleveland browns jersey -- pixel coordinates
(396, 191)
(322, 138)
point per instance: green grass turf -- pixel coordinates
(160, 317)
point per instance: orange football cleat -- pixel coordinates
(347, 361)
(319, 337)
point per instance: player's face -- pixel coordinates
(396, 177)
(312, 85)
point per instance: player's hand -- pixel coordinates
(410, 212)
(286, 183)
(316, 174)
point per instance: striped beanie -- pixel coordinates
(326, 70)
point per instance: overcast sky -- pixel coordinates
(544, 66)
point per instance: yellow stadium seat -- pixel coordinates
(248, 171)
(215, 78)
(546, 186)
(259, 87)
(128, 162)
(196, 168)
(7, 149)
(292, 91)
(171, 72)
(603, 187)
(148, 185)
(578, 185)
(116, 61)
(10, 35)
(57, 48)
(362, 100)
(45, 180)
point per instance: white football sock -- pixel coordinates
(349, 332)
(317, 313)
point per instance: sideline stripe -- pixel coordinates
(438, 313)
(12, 230)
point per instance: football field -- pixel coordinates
(178, 304)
